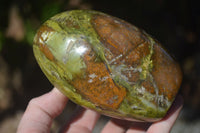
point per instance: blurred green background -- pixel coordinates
(175, 23)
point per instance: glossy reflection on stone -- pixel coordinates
(108, 65)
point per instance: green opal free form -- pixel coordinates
(108, 65)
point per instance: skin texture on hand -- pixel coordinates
(42, 110)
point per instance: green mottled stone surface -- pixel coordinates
(108, 65)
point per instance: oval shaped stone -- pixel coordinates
(108, 65)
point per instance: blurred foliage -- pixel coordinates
(33, 14)
(49, 10)
(30, 32)
(1, 40)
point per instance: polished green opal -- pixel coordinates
(108, 65)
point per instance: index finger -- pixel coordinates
(41, 111)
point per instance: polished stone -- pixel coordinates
(108, 65)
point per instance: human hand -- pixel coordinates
(41, 112)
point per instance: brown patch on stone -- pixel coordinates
(117, 36)
(134, 57)
(166, 72)
(121, 39)
(148, 86)
(41, 42)
(97, 86)
(46, 52)
(133, 77)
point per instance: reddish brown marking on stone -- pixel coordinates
(117, 36)
(41, 42)
(115, 46)
(47, 52)
(148, 86)
(166, 72)
(135, 76)
(103, 92)
(134, 57)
